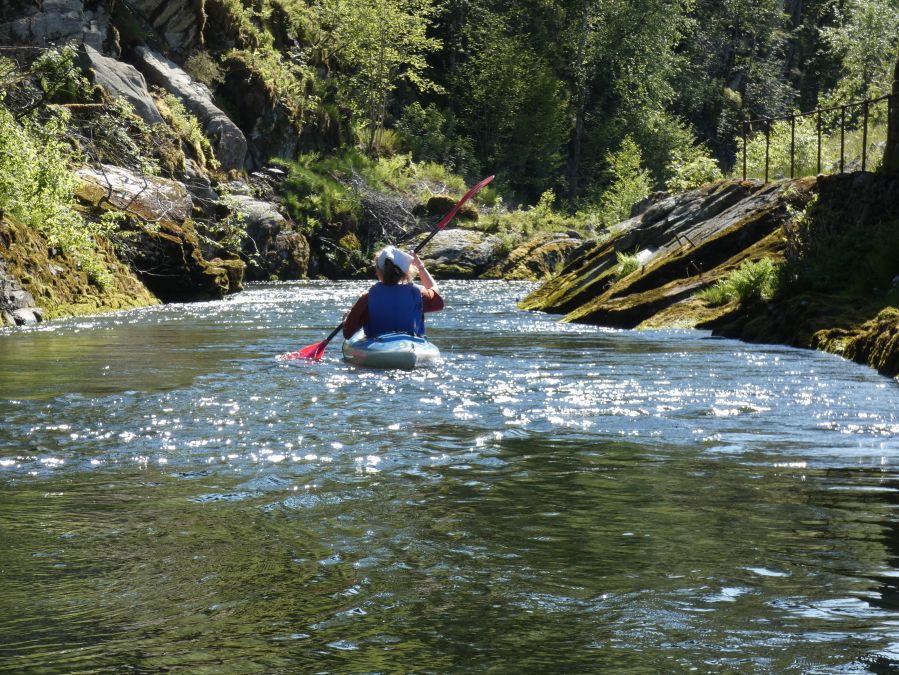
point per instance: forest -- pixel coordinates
(593, 99)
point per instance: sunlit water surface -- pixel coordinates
(551, 498)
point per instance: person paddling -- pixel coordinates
(394, 304)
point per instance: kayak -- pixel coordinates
(393, 350)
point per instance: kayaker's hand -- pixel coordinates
(419, 265)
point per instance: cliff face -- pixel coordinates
(823, 230)
(196, 213)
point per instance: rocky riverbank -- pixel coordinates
(823, 230)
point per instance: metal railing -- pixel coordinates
(766, 122)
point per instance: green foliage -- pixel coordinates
(203, 68)
(287, 79)
(865, 37)
(691, 167)
(516, 110)
(858, 261)
(630, 183)
(381, 44)
(778, 148)
(750, 282)
(314, 195)
(627, 264)
(187, 128)
(60, 78)
(37, 188)
(116, 134)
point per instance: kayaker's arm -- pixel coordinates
(356, 317)
(426, 279)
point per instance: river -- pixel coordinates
(552, 497)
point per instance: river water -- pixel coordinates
(551, 498)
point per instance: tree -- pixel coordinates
(891, 155)
(514, 109)
(866, 39)
(379, 43)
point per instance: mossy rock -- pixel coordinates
(55, 281)
(537, 259)
(440, 205)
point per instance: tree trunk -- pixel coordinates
(891, 155)
(580, 97)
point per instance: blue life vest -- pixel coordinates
(394, 309)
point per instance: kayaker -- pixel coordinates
(394, 304)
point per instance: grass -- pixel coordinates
(750, 282)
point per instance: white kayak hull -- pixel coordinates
(394, 350)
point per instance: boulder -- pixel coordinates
(538, 258)
(150, 198)
(168, 260)
(271, 248)
(462, 254)
(695, 239)
(120, 79)
(14, 300)
(227, 139)
(53, 22)
(440, 205)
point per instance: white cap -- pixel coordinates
(396, 256)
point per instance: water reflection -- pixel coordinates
(552, 497)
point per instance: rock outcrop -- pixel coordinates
(53, 22)
(161, 243)
(537, 259)
(271, 249)
(120, 79)
(17, 305)
(150, 198)
(462, 254)
(178, 23)
(227, 139)
(41, 282)
(695, 239)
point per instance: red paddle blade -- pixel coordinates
(313, 352)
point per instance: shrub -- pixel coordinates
(627, 263)
(750, 282)
(630, 183)
(187, 128)
(37, 188)
(691, 167)
(203, 68)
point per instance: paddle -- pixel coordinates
(316, 351)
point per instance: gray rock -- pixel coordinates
(28, 316)
(120, 79)
(16, 304)
(149, 197)
(56, 22)
(227, 139)
(462, 253)
(271, 248)
(178, 22)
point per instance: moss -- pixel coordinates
(57, 283)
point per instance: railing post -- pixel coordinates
(842, 138)
(745, 135)
(865, 136)
(819, 141)
(767, 146)
(792, 144)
